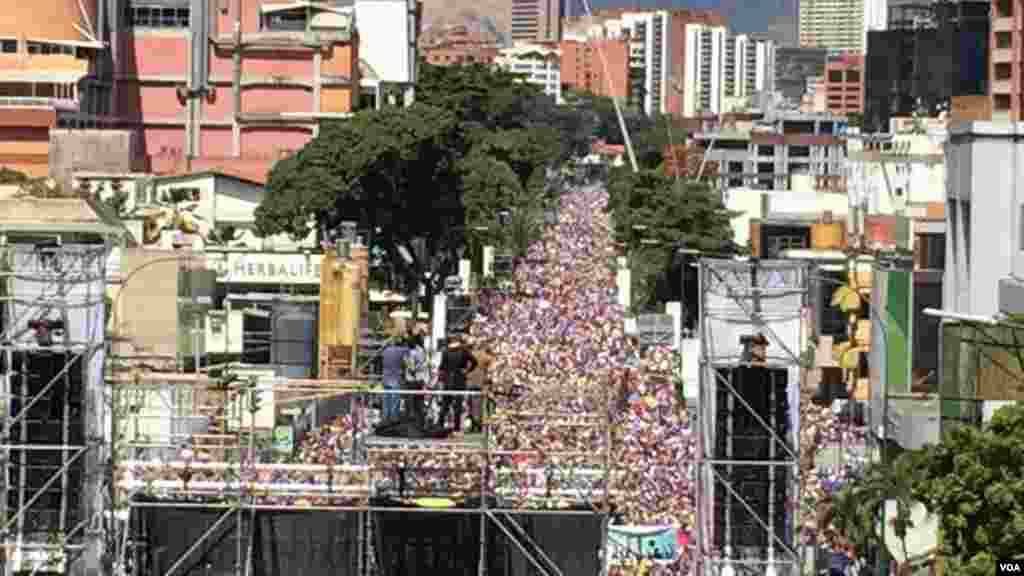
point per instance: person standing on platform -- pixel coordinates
(477, 380)
(392, 358)
(417, 374)
(456, 363)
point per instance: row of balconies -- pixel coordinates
(1002, 55)
(1002, 86)
(1003, 24)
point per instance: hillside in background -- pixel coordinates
(774, 18)
(485, 17)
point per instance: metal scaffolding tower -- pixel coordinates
(752, 334)
(225, 471)
(52, 331)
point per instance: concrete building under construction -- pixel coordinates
(782, 152)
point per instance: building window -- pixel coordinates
(1004, 40)
(47, 48)
(142, 196)
(931, 251)
(293, 20)
(833, 321)
(155, 16)
(853, 75)
(176, 195)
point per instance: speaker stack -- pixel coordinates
(740, 437)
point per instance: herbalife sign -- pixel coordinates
(263, 268)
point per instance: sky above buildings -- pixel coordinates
(775, 18)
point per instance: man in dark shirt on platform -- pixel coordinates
(456, 362)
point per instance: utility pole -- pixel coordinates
(198, 87)
(236, 84)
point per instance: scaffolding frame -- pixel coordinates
(744, 287)
(50, 293)
(346, 487)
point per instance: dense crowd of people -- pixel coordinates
(574, 401)
(560, 349)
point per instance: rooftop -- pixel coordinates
(991, 129)
(21, 213)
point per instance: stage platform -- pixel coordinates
(391, 541)
(466, 442)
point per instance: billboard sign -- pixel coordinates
(660, 544)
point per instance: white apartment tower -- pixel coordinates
(650, 59)
(705, 69)
(540, 65)
(749, 66)
(840, 25)
(536, 21)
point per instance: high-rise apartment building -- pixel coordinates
(48, 60)
(584, 71)
(651, 53)
(840, 25)
(658, 52)
(749, 66)
(844, 84)
(932, 55)
(537, 20)
(705, 68)
(1007, 57)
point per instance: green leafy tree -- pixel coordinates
(654, 215)
(477, 140)
(392, 170)
(10, 177)
(856, 509)
(973, 480)
(41, 187)
(480, 96)
(650, 135)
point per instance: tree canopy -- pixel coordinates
(654, 215)
(477, 140)
(971, 480)
(650, 135)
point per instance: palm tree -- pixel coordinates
(856, 508)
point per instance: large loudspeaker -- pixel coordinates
(307, 542)
(418, 543)
(45, 422)
(740, 436)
